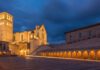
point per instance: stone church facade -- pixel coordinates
(30, 40)
(38, 33)
(18, 42)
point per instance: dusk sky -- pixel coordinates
(58, 16)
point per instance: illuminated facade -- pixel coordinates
(38, 33)
(41, 34)
(19, 49)
(6, 27)
(6, 30)
(22, 36)
(83, 43)
(18, 42)
(30, 39)
(39, 37)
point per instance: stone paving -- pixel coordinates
(36, 63)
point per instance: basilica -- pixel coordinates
(19, 42)
(82, 43)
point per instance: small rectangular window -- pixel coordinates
(80, 36)
(90, 34)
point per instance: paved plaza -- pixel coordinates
(40, 63)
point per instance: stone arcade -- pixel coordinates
(83, 43)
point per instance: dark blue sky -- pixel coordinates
(58, 16)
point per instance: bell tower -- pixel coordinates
(6, 27)
(6, 31)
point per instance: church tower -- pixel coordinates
(6, 27)
(6, 30)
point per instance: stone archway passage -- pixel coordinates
(50, 53)
(47, 54)
(57, 54)
(54, 54)
(69, 54)
(85, 55)
(74, 54)
(44, 54)
(79, 54)
(65, 54)
(61, 53)
(98, 54)
(92, 54)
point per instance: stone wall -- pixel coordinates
(88, 37)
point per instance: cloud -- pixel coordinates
(71, 10)
(58, 16)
